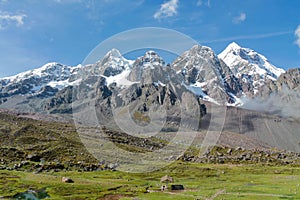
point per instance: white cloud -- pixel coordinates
(242, 17)
(7, 19)
(167, 9)
(297, 34)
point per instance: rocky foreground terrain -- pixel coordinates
(38, 145)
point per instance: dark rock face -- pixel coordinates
(291, 78)
(46, 91)
(63, 99)
(149, 69)
(145, 98)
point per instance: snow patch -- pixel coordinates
(197, 90)
(120, 79)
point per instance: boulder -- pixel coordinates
(33, 157)
(177, 187)
(67, 180)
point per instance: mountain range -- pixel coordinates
(168, 95)
(232, 78)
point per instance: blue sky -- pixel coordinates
(34, 32)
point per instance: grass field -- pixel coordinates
(201, 181)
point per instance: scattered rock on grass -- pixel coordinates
(177, 187)
(67, 180)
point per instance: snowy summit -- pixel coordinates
(247, 61)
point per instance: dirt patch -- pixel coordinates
(114, 197)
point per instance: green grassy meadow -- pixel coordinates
(201, 181)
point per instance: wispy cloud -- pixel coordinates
(242, 17)
(67, 1)
(249, 37)
(297, 34)
(8, 19)
(208, 3)
(201, 3)
(167, 9)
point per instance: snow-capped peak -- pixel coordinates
(113, 56)
(113, 53)
(151, 54)
(150, 58)
(233, 46)
(53, 68)
(203, 52)
(247, 61)
(113, 63)
(51, 74)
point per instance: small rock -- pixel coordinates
(2, 167)
(221, 161)
(113, 166)
(248, 156)
(219, 154)
(229, 151)
(39, 170)
(238, 148)
(67, 180)
(177, 187)
(33, 157)
(24, 163)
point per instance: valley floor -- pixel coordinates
(36, 154)
(200, 181)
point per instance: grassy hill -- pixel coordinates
(36, 154)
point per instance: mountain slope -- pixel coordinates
(203, 71)
(148, 89)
